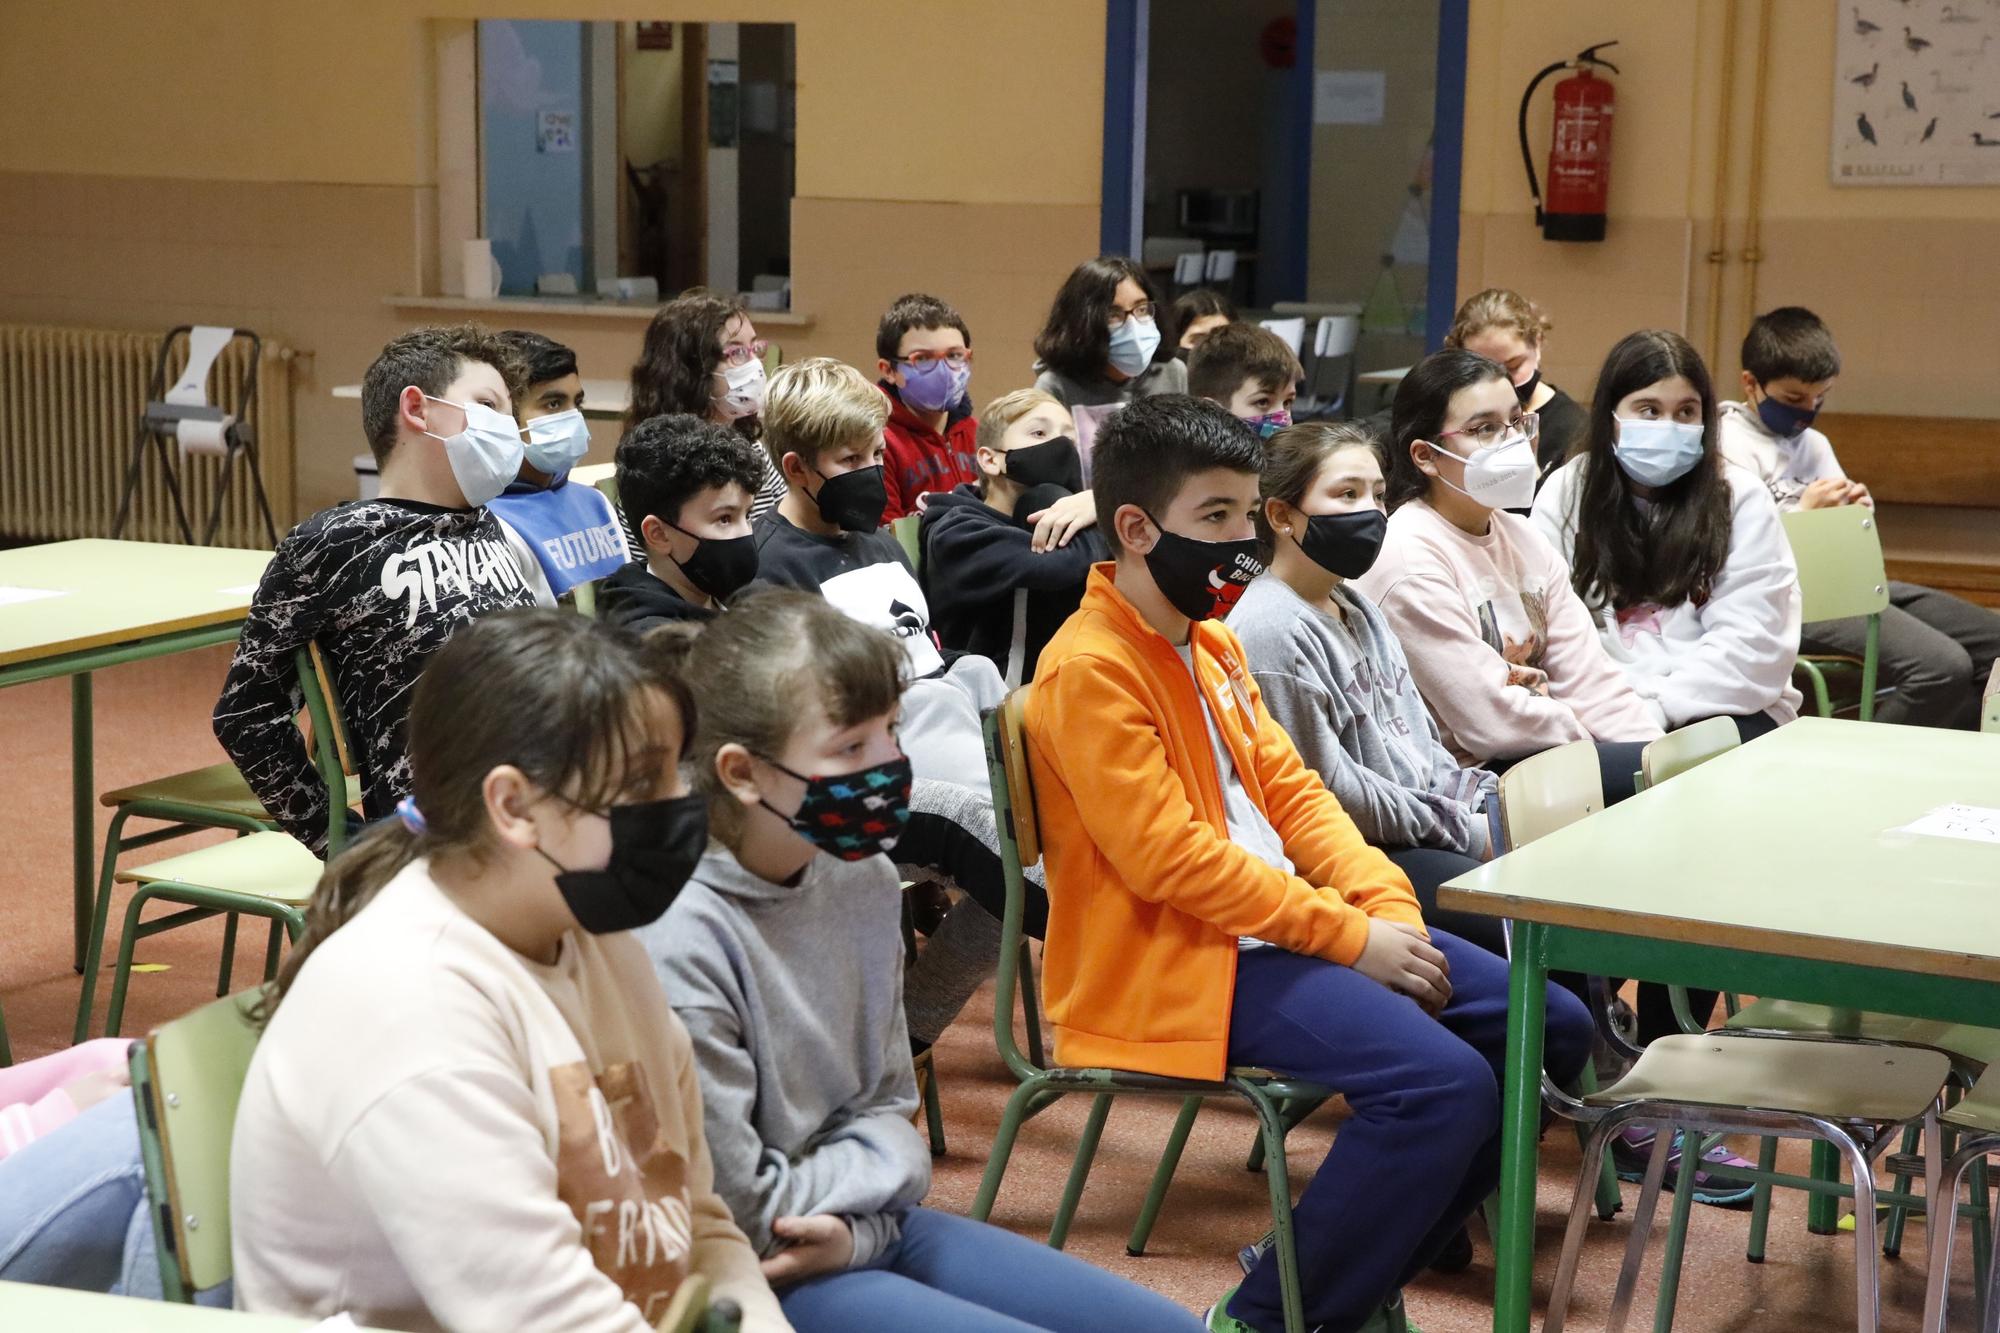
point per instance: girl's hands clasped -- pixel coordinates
(822, 1243)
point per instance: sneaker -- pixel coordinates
(1391, 1318)
(1219, 1320)
(1456, 1256)
(1253, 1254)
(1633, 1148)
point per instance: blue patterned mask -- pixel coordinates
(852, 815)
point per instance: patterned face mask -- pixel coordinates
(851, 815)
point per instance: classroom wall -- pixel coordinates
(293, 190)
(1900, 274)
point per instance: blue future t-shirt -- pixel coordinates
(573, 531)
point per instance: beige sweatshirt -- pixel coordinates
(1505, 655)
(437, 1133)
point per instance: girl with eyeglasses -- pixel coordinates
(1101, 345)
(702, 356)
(1504, 652)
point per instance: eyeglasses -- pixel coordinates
(1490, 434)
(1143, 312)
(958, 358)
(737, 354)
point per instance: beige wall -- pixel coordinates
(1900, 274)
(651, 110)
(296, 189)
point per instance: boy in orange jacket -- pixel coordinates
(1211, 904)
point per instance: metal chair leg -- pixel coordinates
(1941, 1220)
(1983, 1235)
(1031, 1009)
(228, 956)
(273, 946)
(1677, 1225)
(933, 1110)
(1594, 1155)
(1892, 1230)
(1290, 1291)
(1867, 1266)
(1011, 1120)
(121, 976)
(1609, 1199)
(93, 959)
(1760, 1205)
(1079, 1169)
(1163, 1175)
(1642, 1226)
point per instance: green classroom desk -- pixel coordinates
(27, 1307)
(117, 602)
(1772, 870)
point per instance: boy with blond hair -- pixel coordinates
(997, 587)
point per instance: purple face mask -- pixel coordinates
(934, 385)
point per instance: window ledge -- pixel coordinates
(569, 307)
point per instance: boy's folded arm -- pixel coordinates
(1135, 809)
(1000, 556)
(1319, 836)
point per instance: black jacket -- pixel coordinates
(989, 592)
(639, 599)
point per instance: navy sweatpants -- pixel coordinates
(1423, 1146)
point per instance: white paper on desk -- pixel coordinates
(9, 596)
(1973, 823)
(340, 1323)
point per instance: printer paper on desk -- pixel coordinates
(1973, 823)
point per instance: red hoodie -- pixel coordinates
(919, 460)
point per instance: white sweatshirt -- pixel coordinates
(1505, 655)
(1732, 655)
(437, 1133)
(1785, 466)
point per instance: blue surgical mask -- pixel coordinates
(1782, 420)
(558, 442)
(1132, 346)
(1657, 453)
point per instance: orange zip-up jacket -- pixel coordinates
(1147, 894)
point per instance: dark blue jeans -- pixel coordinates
(1422, 1149)
(948, 1272)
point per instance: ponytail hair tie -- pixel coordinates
(413, 818)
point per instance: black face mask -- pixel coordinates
(853, 501)
(719, 565)
(1344, 544)
(654, 848)
(1525, 392)
(1201, 579)
(1050, 463)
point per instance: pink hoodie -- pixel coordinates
(34, 1098)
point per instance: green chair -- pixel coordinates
(926, 1065)
(1851, 1095)
(905, 529)
(187, 1077)
(1841, 575)
(1041, 1086)
(263, 874)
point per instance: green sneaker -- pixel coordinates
(1219, 1320)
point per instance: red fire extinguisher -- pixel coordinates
(1580, 155)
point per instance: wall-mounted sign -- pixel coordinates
(1916, 93)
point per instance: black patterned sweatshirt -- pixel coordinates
(380, 584)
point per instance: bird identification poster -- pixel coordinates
(1916, 97)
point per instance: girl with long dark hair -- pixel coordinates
(1679, 555)
(1101, 345)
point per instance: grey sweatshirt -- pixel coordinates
(1343, 692)
(793, 996)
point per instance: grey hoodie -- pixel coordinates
(794, 998)
(1343, 692)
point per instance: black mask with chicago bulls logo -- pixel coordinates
(1201, 579)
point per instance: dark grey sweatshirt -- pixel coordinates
(794, 998)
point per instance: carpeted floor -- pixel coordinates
(152, 718)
